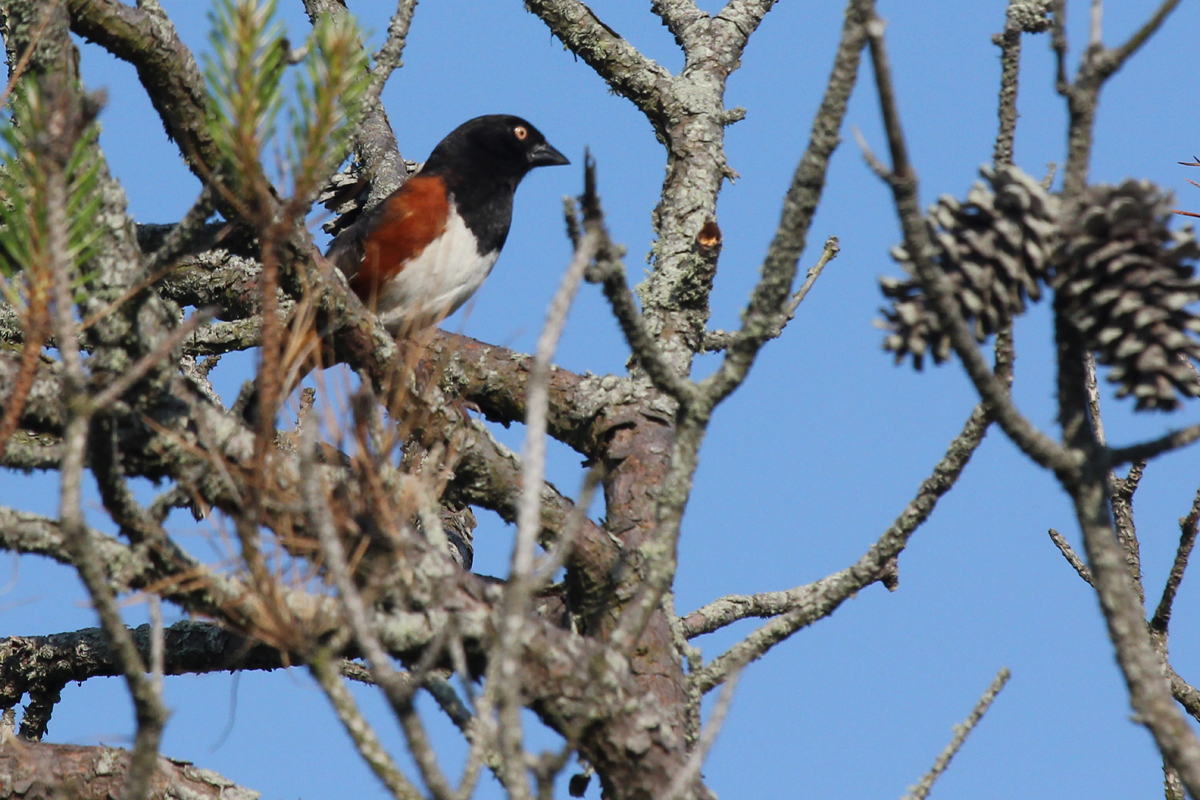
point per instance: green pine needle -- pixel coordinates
(245, 76)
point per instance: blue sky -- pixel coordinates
(808, 462)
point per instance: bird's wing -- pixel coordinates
(376, 247)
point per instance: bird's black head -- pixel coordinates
(500, 146)
(481, 162)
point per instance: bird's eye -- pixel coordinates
(521, 132)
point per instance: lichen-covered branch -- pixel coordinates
(33, 665)
(146, 38)
(800, 607)
(623, 68)
(99, 773)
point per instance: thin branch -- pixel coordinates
(1093, 397)
(374, 143)
(181, 236)
(189, 647)
(387, 58)
(153, 359)
(718, 340)
(1141, 664)
(534, 453)
(1155, 447)
(803, 606)
(504, 681)
(1071, 556)
(360, 731)
(1112, 60)
(1121, 502)
(64, 123)
(146, 38)
(1009, 43)
(397, 690)
(1095, 34)
(1187, 540)
(1187, 695)
(961, 732)
(488, 474)
(609, 271)
(903, 182)
(687, 776)
(770, 296)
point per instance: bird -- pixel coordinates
(424, 250)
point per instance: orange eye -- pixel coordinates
(521, 132)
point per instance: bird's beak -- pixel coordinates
(543, 155)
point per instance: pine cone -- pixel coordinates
(1124, 285)
(995, 249)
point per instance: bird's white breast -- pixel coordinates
(433, 285)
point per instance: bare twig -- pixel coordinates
(1095, 35)
(149, 361)
(1070, 555)
(363, 736)
(181, 234)
(903, 182)
(1155, 447)
(721, 340)
(627, 72)
(1022, 16)
(1140, 662)
(610, 273)
(1093, 397)
(1112, 60)
(503, 669)
(801, 607)
(961, 732)
(1121, 502)
(397, 690)
(686, 776)
(770, 298)
(1187, 540)
(534, 454)
(64, 124)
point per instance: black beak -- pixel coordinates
(543, 155)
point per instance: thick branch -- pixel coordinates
(146, 38)
(623, 68)
(99, 773)
(41, 663)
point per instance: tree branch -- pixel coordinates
(1187, 540)
(903, 182)
(798, 608)
(101, 773)
(769, 300)
(961, 732)
(623, 68)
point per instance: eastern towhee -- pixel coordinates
(418, 255)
